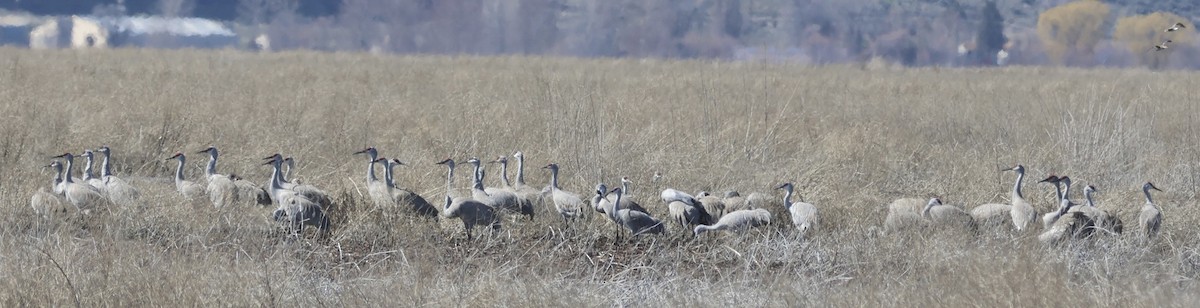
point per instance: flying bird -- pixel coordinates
(1176, 27)
(1161, 46)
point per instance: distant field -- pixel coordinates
(851, 139)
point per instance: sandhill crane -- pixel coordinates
(525, 192)
(293, 207)
(190, 190)
(81, 196)
(248, 190)
(758, 200)
(455, 194)
(637, 222)
(46, 204)
(405, 198)
(524, 199)
(221, 190)
(734, 201)
(90, 178)
(804, 215)
(1064, 204)
(1101, 219)
(1065, 223)
(946, 215)
(713, 205)
(119, 191)
(376, 189)
(692, 214)
(603, 204)
(1150, 217)
(737, 220)
(685, 215)
(568, 204)
(500, 199)
(1178, 26)
(1019, 212)
(312, 193)
(904, 213)
(471, 212)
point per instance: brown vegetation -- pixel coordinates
(851, 140)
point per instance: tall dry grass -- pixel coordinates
(852, 140)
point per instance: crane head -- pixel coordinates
(449, 162)
(370, 151)
(380, 160)
(934, 201)
(625, 180)
(551, 166)
(1090, 189)
(615, 191)
(273, 157)
(1066, 180)
(104, 149)
(601, 189)
(732, 193)
(1017, 168)
(473, 161)
(396, 161)
(500, 160)
(88, 153)
(519, 155)
(1148, 186)
(177, 155)
(787, 185)
(208, 150)
(1050, 179)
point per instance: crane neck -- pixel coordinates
(388, 178)
(179, 171)
(624, 187)
(87, 168)
(447, 206)
(449, 179)
(477, 178)
(58, 177)
(276, 176)
(371, 172)
(616, 208)
(554, 178)
(504, 174)
(1146, 190)
(291, 165)
(1058, 191)
(1016, 194)
(925, 212)
(520, 171)
(70, 168)
(1067, 191)
(105, 168)
(1087, 195)
(787, 197)
(211, 168)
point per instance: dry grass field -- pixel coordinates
(851, 139)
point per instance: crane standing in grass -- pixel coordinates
(81, 196)
(1150, 217)
(119, 191)
(222, 191)
(804, 215)
(190, 190)
(407, 199)
(569, 205)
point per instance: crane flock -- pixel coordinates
(299, 205)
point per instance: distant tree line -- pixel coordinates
(907, 32)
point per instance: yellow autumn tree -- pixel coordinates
(1072, 29)
(1140, 33)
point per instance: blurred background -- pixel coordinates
(1117, 33)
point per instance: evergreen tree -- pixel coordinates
(991, 34)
